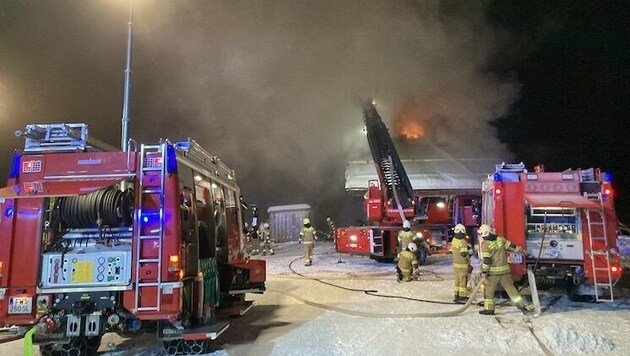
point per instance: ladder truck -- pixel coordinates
(145, 240)
(389, 200)
(564, 221)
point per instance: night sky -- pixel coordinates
(275, 88)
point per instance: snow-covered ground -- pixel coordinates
(324, 310)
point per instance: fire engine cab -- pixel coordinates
(564, 221)
(94, 242)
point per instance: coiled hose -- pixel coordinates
(105, 207)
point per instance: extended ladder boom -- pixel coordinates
(389, 168)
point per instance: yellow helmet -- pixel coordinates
(459, 228)
(484, 230)
(307, 221)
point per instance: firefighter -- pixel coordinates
(308, 238)
(407, 262)
(331, 228)
(496, 270)
(265, 239)
(461, 252)
(405, 237)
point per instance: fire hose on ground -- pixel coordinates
(381, 315)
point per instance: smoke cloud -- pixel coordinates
(274, 88)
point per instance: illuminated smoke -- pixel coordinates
(274, 88)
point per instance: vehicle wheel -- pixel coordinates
(186, 347)
(78, 346)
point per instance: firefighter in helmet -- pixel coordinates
(265, 239)
(407, 262)
(496, 270)
(461, 252)
(308, 238)
(405, 236)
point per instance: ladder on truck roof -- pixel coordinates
(600, 258)
(148, 163)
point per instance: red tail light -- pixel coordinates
(173, 263)
(609, 192)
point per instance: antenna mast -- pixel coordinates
(127, 91)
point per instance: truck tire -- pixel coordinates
(77, 346)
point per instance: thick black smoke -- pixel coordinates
(272, 87)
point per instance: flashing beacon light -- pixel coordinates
(498, 191)
(607, 177)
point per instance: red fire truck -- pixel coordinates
(94, 242)
(390, 200)
(565, 222)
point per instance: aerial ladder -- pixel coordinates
(397, 198)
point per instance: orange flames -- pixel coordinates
(412, 130)
(408, 122)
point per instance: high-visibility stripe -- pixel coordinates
(517, 300)
(499, 269)
(460, 265)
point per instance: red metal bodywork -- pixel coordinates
(40, 176)
(509, 202)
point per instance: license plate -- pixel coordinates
(515, 257)
(20, 305)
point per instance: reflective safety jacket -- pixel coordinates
(461, 253)
(405, 238)
(494, 256)
(407, 261)
(308, 235)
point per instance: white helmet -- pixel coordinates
(459, 228)
(484, 230)
(412, 247)
(406, 224)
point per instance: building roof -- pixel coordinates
(285, 208)
(438, 174)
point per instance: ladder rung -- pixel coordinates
(150, 237)
(598, 252)
(148, 284)
(148, 309)
(149, 260)
(151, 169)
(152, 190)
